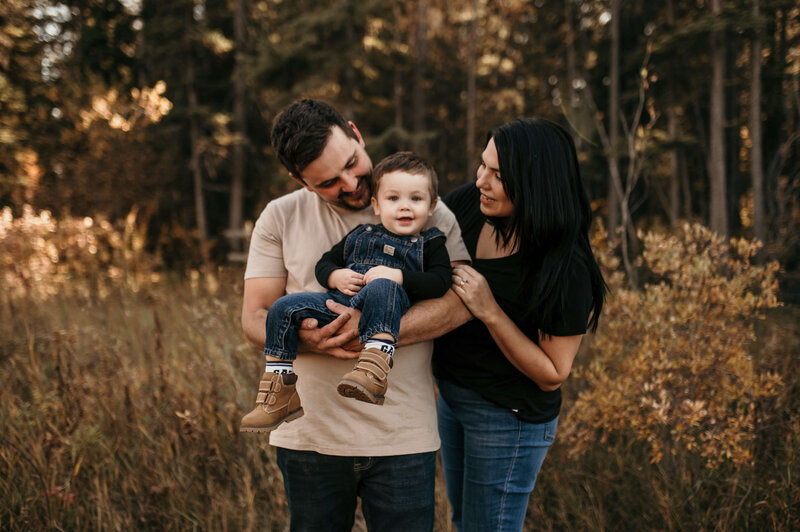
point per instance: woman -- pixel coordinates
(534, 287)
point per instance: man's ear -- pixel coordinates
(300, 180)
(358, 134)
(375, 207)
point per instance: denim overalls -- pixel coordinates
(382, 302)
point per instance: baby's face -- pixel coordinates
(403, 202)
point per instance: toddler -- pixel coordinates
(377, 269)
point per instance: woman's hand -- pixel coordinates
(383, 272)
(346, 281)
(474, 291)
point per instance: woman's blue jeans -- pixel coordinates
(490, 458)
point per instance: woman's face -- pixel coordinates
(494, 201)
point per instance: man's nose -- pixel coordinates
(349, 182)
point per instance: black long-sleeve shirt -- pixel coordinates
(432, 282)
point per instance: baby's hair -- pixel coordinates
(405, 161)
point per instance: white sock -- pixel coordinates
(381, 345)
(281, 367)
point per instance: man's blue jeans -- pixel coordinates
(490, 458)
(396, 491)
(382, 303)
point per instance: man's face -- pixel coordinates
(342, 174)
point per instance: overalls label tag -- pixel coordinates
(389, 250)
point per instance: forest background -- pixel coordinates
(134, 158)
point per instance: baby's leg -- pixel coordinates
(383, 303)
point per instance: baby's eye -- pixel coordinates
(416, 198)
(392, 198)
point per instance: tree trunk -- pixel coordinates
(572, 74)
(756, 155)
(672, 131)
(194, 163)
(235, 219)
(718, 210)
(735, 182)
(398, 74)
(418, 94)
(471, 88)
(614, 195)
(349, 71)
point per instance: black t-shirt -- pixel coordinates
(469, 356)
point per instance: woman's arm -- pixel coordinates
(547, 364)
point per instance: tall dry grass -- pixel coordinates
(122, 413)
(122, 390)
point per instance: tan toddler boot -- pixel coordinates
(277, 402)
(368, 380)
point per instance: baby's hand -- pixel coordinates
(384, 272)
(346, 281)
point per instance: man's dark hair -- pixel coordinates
(301, 131)
(405, 161)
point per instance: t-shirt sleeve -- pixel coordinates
(329, 262)
(577, 305)
(265, 257)
(435, 278)
(460, 198)
(445, 220)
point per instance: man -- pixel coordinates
(343, 449)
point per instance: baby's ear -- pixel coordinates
(433, 206)
(375, 208)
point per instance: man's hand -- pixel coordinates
(383, 272)
(346, 281)
(338, 339)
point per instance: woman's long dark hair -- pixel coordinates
(550, 222)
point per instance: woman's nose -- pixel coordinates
(481, 177)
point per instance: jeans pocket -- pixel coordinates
(550, 430)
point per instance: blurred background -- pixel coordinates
(135, 156)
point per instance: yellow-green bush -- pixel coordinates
(672, 362)
(42, 256)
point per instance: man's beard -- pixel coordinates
(363, 192)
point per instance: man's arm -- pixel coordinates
(259, 295)
(425, 320)
(431, 318)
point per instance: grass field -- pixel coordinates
(120, 403)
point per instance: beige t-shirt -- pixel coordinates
(289, 237)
